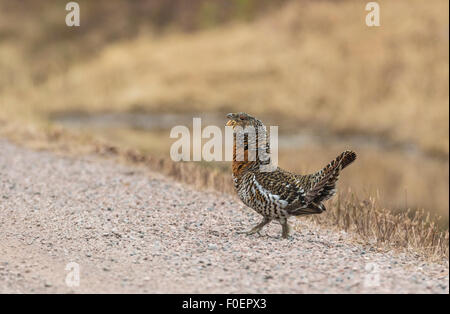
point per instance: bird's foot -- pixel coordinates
(286, 230)
(250, 232)
(257, 228)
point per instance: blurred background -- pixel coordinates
(135, 69)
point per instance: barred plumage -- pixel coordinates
(278, 194)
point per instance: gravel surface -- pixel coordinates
(130, 230)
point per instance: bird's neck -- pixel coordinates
(250, 151)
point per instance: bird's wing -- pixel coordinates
(303, 194)
(282, 185)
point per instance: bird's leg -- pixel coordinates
(286, 229)
(258, 227)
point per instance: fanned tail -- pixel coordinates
(346, 158)
(324, 185)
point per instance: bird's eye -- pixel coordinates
(243, 117)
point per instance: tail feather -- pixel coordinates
(312, 208)
(324, 185)
(346, 158)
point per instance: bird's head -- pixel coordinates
(243, 120)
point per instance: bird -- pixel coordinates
(274, 193)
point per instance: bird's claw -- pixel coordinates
(249, 232)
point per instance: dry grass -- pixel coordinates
(412, 231)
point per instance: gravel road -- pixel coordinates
(131, 230)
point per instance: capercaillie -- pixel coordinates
(277, 194)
